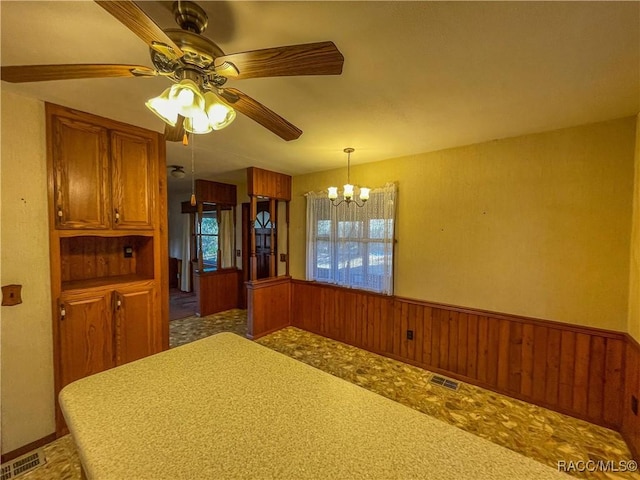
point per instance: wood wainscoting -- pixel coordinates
(217, 291)
(631, 421)
(269, 305)
(568, 368)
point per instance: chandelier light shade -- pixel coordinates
(164, 108)
(202, 112)
(348, 189)
(220, 114)
(187, 97)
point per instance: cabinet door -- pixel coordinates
(133, 164)
(138, 332)
(86, 335)
(80, 155)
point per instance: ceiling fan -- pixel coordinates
(197, 66)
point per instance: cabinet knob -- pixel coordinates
(60, 214)
(117, 216)
(63, 312)
(118, 304)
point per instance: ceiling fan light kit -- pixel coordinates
(348, 188)
(198, 67)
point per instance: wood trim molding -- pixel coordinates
(27, 448)
(575, 370)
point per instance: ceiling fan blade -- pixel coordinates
(261, 114)
(41, 73)
(321, 58)
(175, 134)
(134, 18)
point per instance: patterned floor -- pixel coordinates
(541, 434)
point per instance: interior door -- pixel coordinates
(263, 228)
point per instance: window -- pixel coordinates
(206, 238)
(352, 246)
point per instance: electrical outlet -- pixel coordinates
(634, 404)
(283, 257)
(128, 252)
(238, 254)
(409, 334)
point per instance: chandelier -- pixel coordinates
(348, 188)
(202, 112)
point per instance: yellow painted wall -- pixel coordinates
(537, 225)
(26, 340)
(634, 278)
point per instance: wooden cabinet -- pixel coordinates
(86, 334)
(102, 178)
(108, 244)
(102, 328)
(80, 164)
(136, 331)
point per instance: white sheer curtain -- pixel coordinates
(225, 239)
(352, 246)
(185, 272)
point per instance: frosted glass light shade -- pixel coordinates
(199, 123)
(348, 190)
(333, 193)
(163, 107)
(187, 98)
(220, 114)
(364, 193)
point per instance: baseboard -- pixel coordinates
(27, 448)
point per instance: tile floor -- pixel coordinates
(533, 431)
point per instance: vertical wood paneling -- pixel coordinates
(581, 374)
(515, 356)
(462, 347)
(483, 347)
(539, 362)
(427, 336)
(527, 360)
(567, 365)
(411, 325)
(613, 384)
(453, 341)
(553, 366)
(575, 370)
(404, 314)
(630, 422)
(492, 354)
(443, 352)
(596, 377)
(472, 346)
(503, 354)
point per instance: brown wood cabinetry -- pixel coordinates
(108, 243)
(103, 178)
(136, 331)
(86, 334)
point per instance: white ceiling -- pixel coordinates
(418, 76)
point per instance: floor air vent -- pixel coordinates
(444, 382)
(22, 465)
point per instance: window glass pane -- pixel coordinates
(210, 250)
(324, 228)
(350, 229)
(379, 228)
(263, 220)
(209, 226)
(350, 263)
(323, 260)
